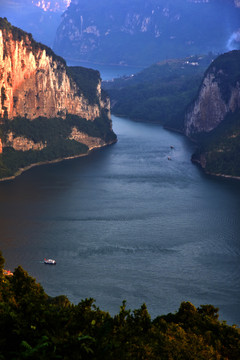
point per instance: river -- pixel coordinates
(127, 223)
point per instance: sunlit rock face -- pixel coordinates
(34, 83)
(219, 95)
(21, 143)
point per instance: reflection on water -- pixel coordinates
(126, 223)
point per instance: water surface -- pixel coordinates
(127, 223)
(108, 72)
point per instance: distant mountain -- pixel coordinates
(40, 18)
(141, 32)
(213, 119)
(159, 93)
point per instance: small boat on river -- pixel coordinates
(50, 261)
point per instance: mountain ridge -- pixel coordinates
(144, 32)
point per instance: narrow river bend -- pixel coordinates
(127, 223)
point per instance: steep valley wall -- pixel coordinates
(34, 84)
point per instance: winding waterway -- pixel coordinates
(127, 223)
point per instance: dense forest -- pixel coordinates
(87, 81)
(219, 150)
(36, 326)
(54, 132)
(160, 93)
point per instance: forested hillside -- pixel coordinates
(159, 93)
(36, 326)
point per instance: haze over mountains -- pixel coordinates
(136, 32)
(145, 31)
(41, 18)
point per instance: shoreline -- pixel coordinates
(224, 176)
(198, 162)
(26, 168)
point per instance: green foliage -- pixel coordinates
(13, 160)
(2, 261)
(221, 147)
(87, 81)
(226, 71)
(159, 93)
(54, 133)
(35, 326)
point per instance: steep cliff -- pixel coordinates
(213, 119)
(34, 82)
(44, 104)
(219, 94)
(159, 93)
(145, 31)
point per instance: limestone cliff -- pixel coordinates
(219, 95)
(48, 111)
(214, 118)
(34, 81)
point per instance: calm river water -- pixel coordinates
(127, 223)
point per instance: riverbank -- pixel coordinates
(26, 168)
(224, 176)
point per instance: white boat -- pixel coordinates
(50, 261)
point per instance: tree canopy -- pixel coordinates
(36, 326)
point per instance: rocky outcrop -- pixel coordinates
(34, 82)
(21, 143)
(214, 118)
(90, 141)
(218, 96)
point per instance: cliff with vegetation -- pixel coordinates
(219, 95)
(47, 110)
(35, 82)
(213, 118)
(36, 326)
(159, 93)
